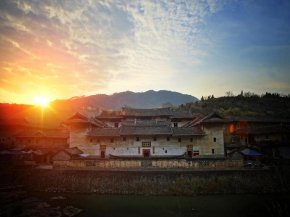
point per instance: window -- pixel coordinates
(175, 124)
(191, 139)
(153, 150)
(195, 152)
(137, 139)
(154, 138)
(214, 139)
(267, 136)
(91, 140)
(3, 139)
(112, 140)
(168, 138)
(212, 151)
(139, 150)
(179, 139)
(117, 125)
(124, 139)
(165, 151)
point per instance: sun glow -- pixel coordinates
(41, 101)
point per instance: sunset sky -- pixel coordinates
(60, 49)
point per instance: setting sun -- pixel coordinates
(41, 100)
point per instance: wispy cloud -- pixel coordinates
(66, 48)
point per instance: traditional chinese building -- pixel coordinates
(147, 132)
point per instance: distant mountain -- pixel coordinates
(59, 110)
(148, 99)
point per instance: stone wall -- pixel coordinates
(151, 182)
(195, 164)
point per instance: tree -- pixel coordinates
(229, 93)
(202, 99)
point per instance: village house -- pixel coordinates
(35, 140)
(271, 140)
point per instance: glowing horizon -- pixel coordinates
(64, 49)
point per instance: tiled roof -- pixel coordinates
(211, 118)
(13, 121)
(182, 114)
(146, 123)
(107, 114)
(79, 118)
(24, 122)
(73, 151)
(190, 131)
(103, 132)
(98, 123)
(259, 119)
(43, 133)
(146, 112)
(144, 130)
(263, 130)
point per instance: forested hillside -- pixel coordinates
(243, 105)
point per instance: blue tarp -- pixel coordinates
(251, 152)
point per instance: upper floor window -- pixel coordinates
(168, 138)
(117, 125)
(154, 138)
(137, 139)
(3, 139)
(191, 139)
(124, 139)
(214, 139)
(175, 124)
(91, 140)
(267, 136)
(112, 140)
(179, 139)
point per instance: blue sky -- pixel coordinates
(60, 49)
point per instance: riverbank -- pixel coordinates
(151, 182)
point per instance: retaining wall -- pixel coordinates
(213, 164)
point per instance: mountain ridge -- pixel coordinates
(148, 99)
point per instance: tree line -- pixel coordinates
(245, 104)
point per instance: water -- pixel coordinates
(150, 206)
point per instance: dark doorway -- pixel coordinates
(146, 152)
(102, 154)
(189, 153)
